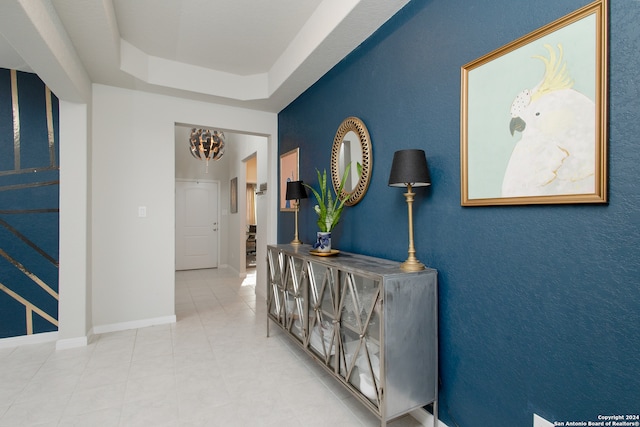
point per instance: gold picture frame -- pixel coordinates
(288, 172)
(534, 116)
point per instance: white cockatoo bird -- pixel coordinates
(556, 153)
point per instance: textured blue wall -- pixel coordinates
(539, 305)
(29, 208)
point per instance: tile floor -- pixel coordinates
(214, 367)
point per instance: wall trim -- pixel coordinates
(230, 267)
(425, 418)
(28, 339)
(538, 421)
(135, 324)
(72, 343)
(262, 294)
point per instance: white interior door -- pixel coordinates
(196, 225)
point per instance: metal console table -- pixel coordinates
(371, 325)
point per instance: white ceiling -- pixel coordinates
(252, 53)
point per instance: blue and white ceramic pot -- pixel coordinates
(323, 243)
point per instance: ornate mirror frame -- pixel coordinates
(352, 124)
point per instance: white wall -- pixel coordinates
(75, 236)
(134, 165)
(245, 146)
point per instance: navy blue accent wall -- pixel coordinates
(29, 209)
(539, 305)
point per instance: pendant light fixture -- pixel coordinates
(206, 144)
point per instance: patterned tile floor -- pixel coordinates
(214, 367)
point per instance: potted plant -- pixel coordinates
(329, 209)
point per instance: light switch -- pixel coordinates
(142, 211)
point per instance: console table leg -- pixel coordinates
(435, 413)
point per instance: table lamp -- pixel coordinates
(409, 169)
(296, 191)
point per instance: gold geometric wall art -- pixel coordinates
(29, 207)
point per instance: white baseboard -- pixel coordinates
(538, 421)
(72, 343)
(425, 418)
(230, 267)
(135, 324)
(261, 294)
(28, 339)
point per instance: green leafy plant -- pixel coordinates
(329, 207)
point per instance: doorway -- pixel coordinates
(251, 174)
(233, 225)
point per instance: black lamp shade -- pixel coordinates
(409, 167)
(295, 191)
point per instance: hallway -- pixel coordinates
(214, 367)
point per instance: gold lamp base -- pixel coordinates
(295, 240)
(412, 263)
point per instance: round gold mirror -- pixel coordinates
(351, 149)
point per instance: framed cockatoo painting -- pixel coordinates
(534, 116)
